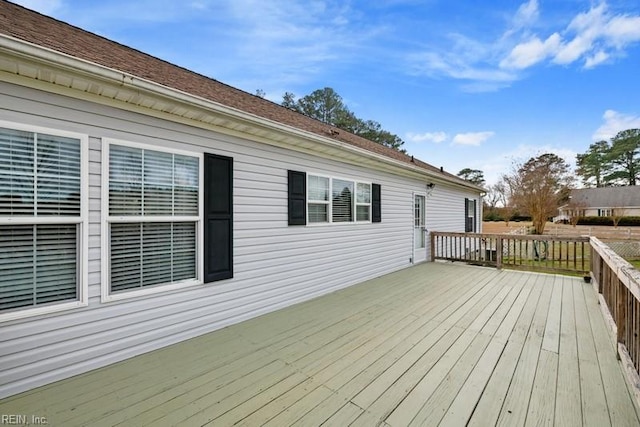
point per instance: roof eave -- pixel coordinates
(48, 69)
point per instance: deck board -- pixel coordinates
(568, 409)
(436, 344)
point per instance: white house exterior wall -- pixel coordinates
(627, 211)
(446, 210)
(275, 265)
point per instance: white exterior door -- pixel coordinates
(419, 230)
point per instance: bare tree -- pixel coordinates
(538, 186)
(491, 200)
(617, 214)
(575, 211)
(504, 191)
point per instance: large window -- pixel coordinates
(333, 200)
(153, 219)
(42, 226)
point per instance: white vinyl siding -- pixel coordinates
(275, 265)
(335, 200)
(153, 218)
(41, 220)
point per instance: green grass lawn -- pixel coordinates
(635, 263)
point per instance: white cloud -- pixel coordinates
(459, 66)
(436, 137)
(593, 37)
(530, 53)
(615, 122)
(527, 14)
(596, 59)
(471, 138)
(623, 29)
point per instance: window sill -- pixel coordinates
(38, 311)
(337, 224)
(158, 289)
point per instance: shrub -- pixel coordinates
(493, 216)
(627, 221)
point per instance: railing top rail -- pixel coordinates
(627, 274)
(515, 236)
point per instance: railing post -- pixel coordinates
(432, 247)
(621, 310)
(499, 253)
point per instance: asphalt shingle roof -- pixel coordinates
(607, 197)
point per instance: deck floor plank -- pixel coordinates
(542, 404)
(415, 363)
(436, 344)
(503, 318)
(513, 326)
(516, 401)
(568, 410)
(429, 381)
(488, 408)
(594, 403)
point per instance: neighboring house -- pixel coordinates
(605, 201)
(142, 204)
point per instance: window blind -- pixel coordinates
(147, 254)
(144, 184)
(342, 196)
(39, 174)
(318, 189)
(38, 264)
(39, 178)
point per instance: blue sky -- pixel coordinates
(464, 83)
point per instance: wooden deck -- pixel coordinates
(436, 344)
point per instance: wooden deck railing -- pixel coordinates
(537, 253)
(618, 285)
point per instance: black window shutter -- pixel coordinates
(467, 224)
(297, 198)
(376, 203)
(218, 217)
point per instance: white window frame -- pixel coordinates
(354, 202)
(82, 248)
(106, 219)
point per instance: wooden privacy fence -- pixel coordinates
(618, 285)
(537, 253)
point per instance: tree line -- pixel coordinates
(611, 163)
(327, 106)
(540, 185)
